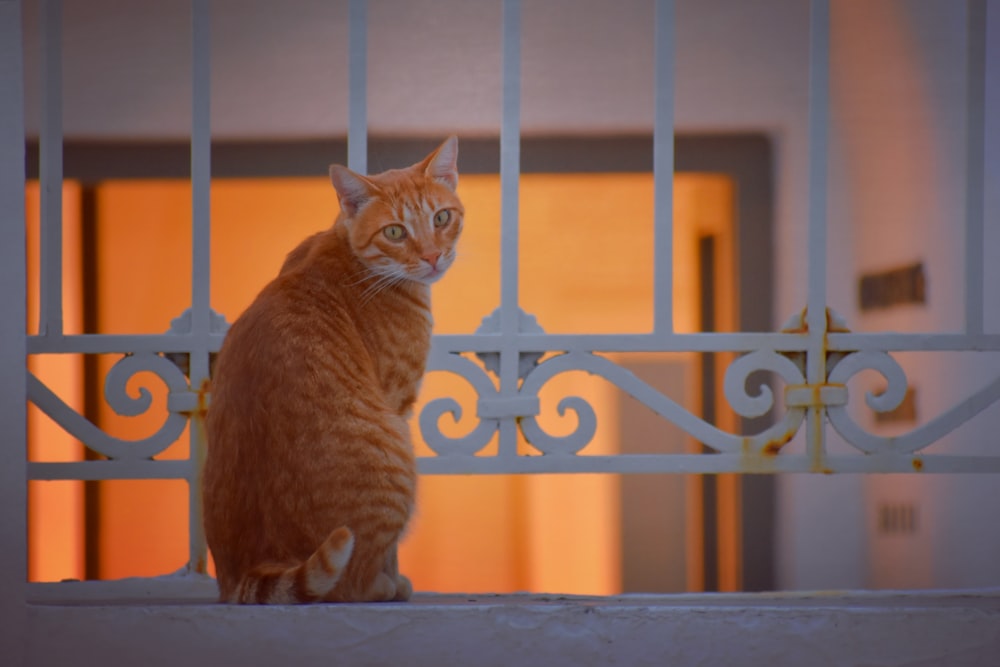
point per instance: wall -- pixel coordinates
(279, 71)
(899, 120)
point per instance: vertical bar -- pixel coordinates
(51, 172)
(991, 140)
(710, 496)
(13, 350)
(819, 87)
(663, 171)
(201, 181)
(510, 164)
(201, 166)
(357, 63)
(975, 154)
(510, 174)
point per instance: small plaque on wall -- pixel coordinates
(884, 289)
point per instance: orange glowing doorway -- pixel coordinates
(56, 510)
(578, 274)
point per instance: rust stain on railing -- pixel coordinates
(199, 559)
(816, 397)
(760, 458)
(772, 447)
(201, 407)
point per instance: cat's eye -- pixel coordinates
(442, 218)
(395, 232)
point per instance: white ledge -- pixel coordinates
(952, 628)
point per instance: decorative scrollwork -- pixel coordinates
(769, 440)
(734, 388)
(889, 399)
(918, 438)
(734, 385)
(429, 420)
(117, 396)
(526, 323)
(586, 425)
(182, 325)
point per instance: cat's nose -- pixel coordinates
(432, 259)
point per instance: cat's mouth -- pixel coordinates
(431, 275)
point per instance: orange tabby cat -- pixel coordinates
(310, 476)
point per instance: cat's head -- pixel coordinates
(404, 223)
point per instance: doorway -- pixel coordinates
(140, 292)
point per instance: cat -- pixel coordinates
(310, 476)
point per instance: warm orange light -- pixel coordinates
(55, 509)
(586, 266)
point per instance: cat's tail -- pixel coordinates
(309, 581)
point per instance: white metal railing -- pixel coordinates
(13, 279)
(814, 354)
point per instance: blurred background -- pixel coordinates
(279, 117)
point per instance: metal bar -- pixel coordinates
(718, 342)
(663, 171)
(122, 343)
(201, 167)
(96, 470)
(51, 172)
(13, 324)
(702, 342)
(201, 234)
(991, 139)
(703, 464)
(510, 165)
(357, 63)
(819, 87)
(510, 174)
(201, 589)
(975, 154)
(819, 84)
(913, 342)
(737, 342)
(708, 342)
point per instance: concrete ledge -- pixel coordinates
(814, 630)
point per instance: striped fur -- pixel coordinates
(310, 478)
(309, 581)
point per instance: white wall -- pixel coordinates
(279, 71)
(899, 91)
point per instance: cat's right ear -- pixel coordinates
(353, 190)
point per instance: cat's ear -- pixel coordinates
(353, 190)
(442, 164)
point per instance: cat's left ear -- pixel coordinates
(442, 164)
(353, 190)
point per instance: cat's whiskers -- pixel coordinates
(379, 282)
(384, 281)
(362, 275)
(382, 286)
